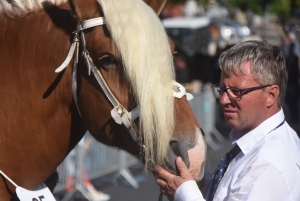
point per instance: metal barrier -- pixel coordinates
(96, 159)
(203, 105)
(92, 159)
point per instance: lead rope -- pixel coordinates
(161, 197)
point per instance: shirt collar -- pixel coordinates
(250, 139)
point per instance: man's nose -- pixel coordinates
(224, 99)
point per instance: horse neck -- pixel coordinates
(32, 49)
(36, 109)
(41, 35)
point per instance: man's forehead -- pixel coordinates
(243, 71)
(246, 67)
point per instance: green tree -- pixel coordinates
(202, 2)
(283, 8)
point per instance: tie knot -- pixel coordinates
(233, 152)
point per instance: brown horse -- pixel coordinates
(126, 50)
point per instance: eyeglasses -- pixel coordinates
(234, 94)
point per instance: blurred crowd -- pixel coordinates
(202, 35)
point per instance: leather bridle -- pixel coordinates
(118, 113)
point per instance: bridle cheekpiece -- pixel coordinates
(118, 113)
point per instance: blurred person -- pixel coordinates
(181, 68)
(264, 163)
(292, 54)
(71, 170)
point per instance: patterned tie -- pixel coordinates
(220, 171)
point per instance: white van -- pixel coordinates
(191, 34)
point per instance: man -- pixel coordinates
(266, 162)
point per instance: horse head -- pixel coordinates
(129, 53)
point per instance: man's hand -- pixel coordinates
(168, 182)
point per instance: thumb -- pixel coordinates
(182, 168)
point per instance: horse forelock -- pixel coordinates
(22, 7)
(148, 62)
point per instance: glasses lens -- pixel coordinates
(217, 91)
(234, 94)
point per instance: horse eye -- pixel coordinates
(107, 62)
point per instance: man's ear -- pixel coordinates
(156, 5)
(273, 94)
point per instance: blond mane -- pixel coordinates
(147, 59)
(143, 44)
(22, 7)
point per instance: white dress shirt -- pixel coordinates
(267, 169)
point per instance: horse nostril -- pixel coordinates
(175, 147)
(180, 150)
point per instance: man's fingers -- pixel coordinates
(182, 168)
(167, 192)
(162, 190)
(181, 165)
(170, 198)
(162, 173)
(168, 182)
(161, 183)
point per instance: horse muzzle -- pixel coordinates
(191, 151)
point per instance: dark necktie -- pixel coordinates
(220, 171)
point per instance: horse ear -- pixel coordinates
(156, 5)
(86, 9)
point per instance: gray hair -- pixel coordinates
(267, 64)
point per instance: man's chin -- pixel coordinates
(231, 123)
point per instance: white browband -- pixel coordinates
(118, 113)
(92, 23)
